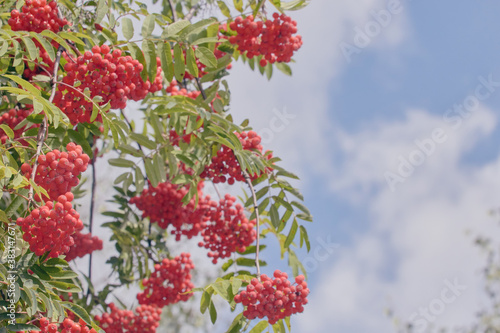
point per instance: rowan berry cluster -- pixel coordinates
(229, 230)
(273, 298)
(49, 228)
(43, 66)
(169, 282)
(225, 162)
(12, 118)
(67, 326)
(163, 205)
(174, 90)
(146, 319)
(37, 16)
(57, 171)
(83, 244)
(273, 39)
(105, 73)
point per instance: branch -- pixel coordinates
(91, 217)
(172, 8)
(201, 88)
(257, 218)
(190, 14)
(42, 131)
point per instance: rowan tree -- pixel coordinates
(75, 79)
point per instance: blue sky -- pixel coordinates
(353, 120)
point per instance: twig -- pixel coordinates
(216, 190)
(131, 128)
(174, 14)
(257, 218)
(42, 131)
(190, 14)
(200, 87)
(91, 216)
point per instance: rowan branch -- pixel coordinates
(172, 8)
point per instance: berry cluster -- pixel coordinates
(57, 171)
(169, 283)
(163, 205)
(273, 298)
(12, 118)
(228, 231)
(83, 244)
(113, 77)
(226, 163)
(174, 90)
(49, 228)
(67, 326)
(273, 39)
(43, 66)
(37, 16)
(146, 319)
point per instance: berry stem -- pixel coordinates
(257, 219)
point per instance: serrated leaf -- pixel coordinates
(206, 299)
(127, 28)
(213, 312)
(206, 56)
(101, 11)
(291, 234)
(179, 63)
(121, 163)
(30, 47)
(166, 60)
(78, 311)
(275, 218)
(8, 131)
(148, 26)
(191, 62)
(174, 28)
(224, 8)
(260, 327)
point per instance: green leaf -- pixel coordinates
(275, 218)
(284, 68)
(127, 28)
(101, 11)
(65, 287)
(294, 5)
(25, 84)
(191, 62)
(304, 238)
(179, 64)
(224, 8)
(206, 299)
(206, 56)
(18, 201)
(150, 172)
(291, 234)
(221, 288)
(30, 47)
(302, 207)
(148, 26)
(121, 163)
(45, 44)
(195, 28)
(166, 60)
(7, 130)
(78, 311)
(213, 312)
(3, 217)
(150, 55)
(143, 140)
(174, 28)
(23, 327)
(238, 4)
(260, 327)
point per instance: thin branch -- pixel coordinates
(216, 190)
(131, 128)
(200, 87)
(172, 8)
(42, 131)
(190, 14)
(91, 216)
(257, 218)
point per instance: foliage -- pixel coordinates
(65, 84)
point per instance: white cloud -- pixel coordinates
(323, 25)
(416, 239)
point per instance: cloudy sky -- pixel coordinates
(391, 121)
